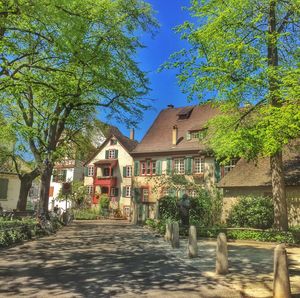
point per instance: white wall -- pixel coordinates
(124, 159)
(13, 190)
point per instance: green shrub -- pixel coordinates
(254, 212)
(86, 214)
(158, 226)
(103, 204)
(168, 208)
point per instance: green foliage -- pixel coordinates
(86, 214)
(254, 212)
(201, 209)
(158, 226)
(228, 59)
(168, 208)
(104, 205)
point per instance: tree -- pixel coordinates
(245, 55)
(56, 71)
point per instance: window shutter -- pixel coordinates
(86, 171)
(116, 153)
(188, 165)
(136, 168)
(172, 192)
(188, 136)
(217, 171)
(106, 154)
(3, 188)
(158, 167)
(137, 194)
(124, 191)
(116, 192)
(169, 166)
(124, 172)
(64, 176)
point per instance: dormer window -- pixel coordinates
(196, 134)
(185, 113)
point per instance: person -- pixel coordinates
(184, 210)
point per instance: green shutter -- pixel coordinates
(188, 136)
(86, 171)
(158, 167)
(116, 191)
(137, 194)
(3, 188)
(124, 191)
(172, 192)
(116, 154)
(188, 165)
(124, 172)
(169, 166)
(136, 168)
(217, 171)
(106, 154)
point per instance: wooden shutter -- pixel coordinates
(3, 188)
(116, 153)
(124, 172)
(169, 166)
(217, 171)
(106, 154)
(86, 171)
(188, 165)
(124, 191)
(51, 191)
(116, 191)
(158, 167)
(137, 194)
(136, 168)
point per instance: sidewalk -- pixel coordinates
(250, 265)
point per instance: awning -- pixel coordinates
(106, 162)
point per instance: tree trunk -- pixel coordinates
(279, 194)
(45, 187)
(26, 183)
(277, 172)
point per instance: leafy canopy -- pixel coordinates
(228, 60)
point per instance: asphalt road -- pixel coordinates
(101, 259)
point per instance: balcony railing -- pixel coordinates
(106, 181)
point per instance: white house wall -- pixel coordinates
(13, 190)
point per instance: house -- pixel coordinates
(174, 145)
(9, 188)
(254, 179)
(109, 171)
(66, 170)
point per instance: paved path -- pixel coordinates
(103, 259)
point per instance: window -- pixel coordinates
(148, 167)
(59, 176)
(113, 142)
(90, 189)
(111, 154)
(228, 167)
(128, 171)
(107, 172)
(145, 194)
(91, 171)
(143, 168)
(114, 192)
(179, 166)
(127, 191)
(198, 165)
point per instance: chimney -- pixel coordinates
(131, 134)
(170, 106)
(175, 135)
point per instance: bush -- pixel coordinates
(252, 212)
(158, 226)
(103, 204)
(168, 208)
(86, 214)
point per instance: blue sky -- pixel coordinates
(165, 89)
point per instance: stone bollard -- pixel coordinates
(175, 235)
(221, 255)
(192, 242)
(168, 234)
(281, 282)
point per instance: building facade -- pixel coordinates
(173, 147)
(109, 173)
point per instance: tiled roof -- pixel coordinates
(159, 136)
(250, 174)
